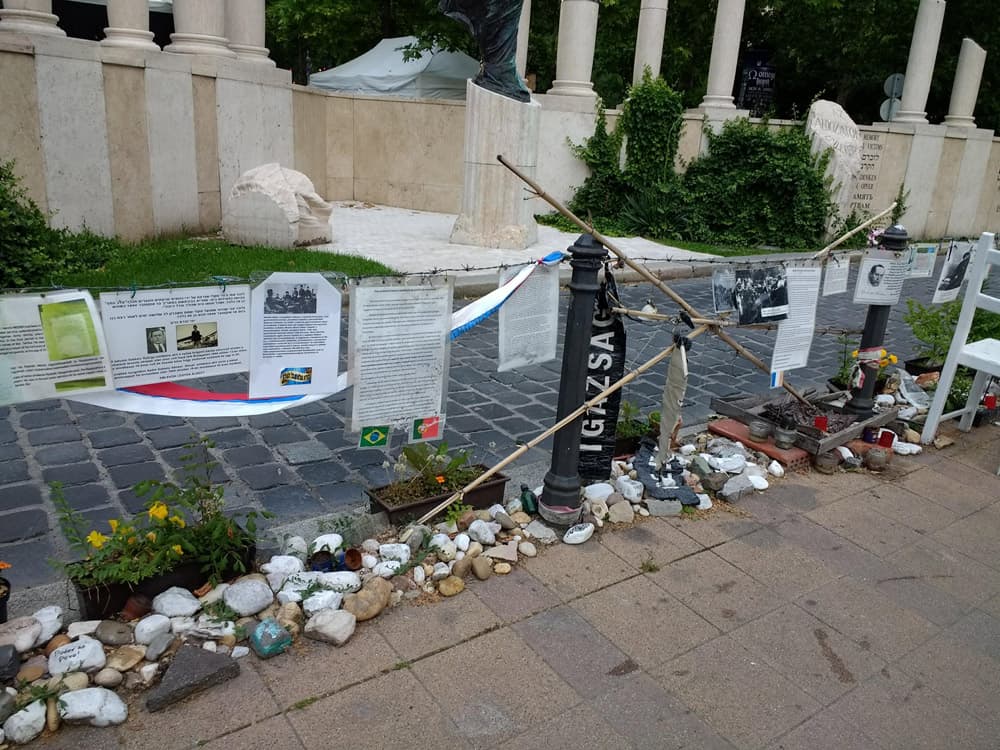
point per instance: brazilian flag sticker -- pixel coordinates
(374, 437)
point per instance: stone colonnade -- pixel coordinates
(225, 28)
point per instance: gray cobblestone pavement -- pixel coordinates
(299, 465)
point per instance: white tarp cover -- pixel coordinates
(382, 70)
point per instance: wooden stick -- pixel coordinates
(558, 425)
(661, 316)
(639, 268)
(843, 238)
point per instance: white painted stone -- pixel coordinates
(758, 482)
(597, 491)
(275, 206)
(462, 541)
(322, 600)
(96, 706)
(494, 509)
(538, 530)
(240, 651)
(51, 620)
(150, 627)
(295, 546)
(688, 450)
(327, 543)
(21, 633)
(579, 533)
(173, 165)
(447, 551)
(286, 564)
(369, 561)
(775, 469)
(400, 552)
(441, 571)
(83, 655)
(23, 726)
(370, 546)
(419, 576)
(248, 596)
(829, 126)
(176, 602)
(630, 489)
(208, 627)
(344, 581)
(331, 626)
(210, 646)
(148, 672)
(84, 627)
(733, 464)
(387, 568)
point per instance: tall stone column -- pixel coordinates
(920, 64)
(649, 38)
(199, 28)
(128, 25)
(523, 32)
(965, 90)
(725, 54)
(245, 30)
(575, 55)
(29, 17)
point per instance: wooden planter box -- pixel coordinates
(482, 497)
(811, 440)
(105, 601)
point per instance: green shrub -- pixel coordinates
(33, 253)
(758, 186)
(652, 119)
(601, 192)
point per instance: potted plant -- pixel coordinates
(183, 538)
(844, 379)
(4, 592)
(428, 476)
(631, 428)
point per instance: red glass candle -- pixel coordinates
(821, 423)
(991, 401)
(885, 439)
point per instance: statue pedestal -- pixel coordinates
(495, 212)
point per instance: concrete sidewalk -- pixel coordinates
(846, 611)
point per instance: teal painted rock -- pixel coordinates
(270, 639)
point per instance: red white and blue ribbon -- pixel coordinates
(175, 400)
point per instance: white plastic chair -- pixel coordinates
(981, 356)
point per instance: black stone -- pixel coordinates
(171, 437)
(10, 663)
(71, 474)
(155, 421)
(125, 454)
(265, 476)
(66, 453)
(35, 419)
(19, 496)
(23, 524)
(114, 436)
(322, 472)
(192, 670)
(131, 474)
(249, 455)
(291, 502)
(53, 435)
(282, 435)
(102, 420)
(207, 424)
(13, 471)
(232, 438)
(274, 419)
(86, 496)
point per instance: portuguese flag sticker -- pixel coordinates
(427, 428)
(374, 437)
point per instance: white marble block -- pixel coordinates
(829, 126)
(494, 210)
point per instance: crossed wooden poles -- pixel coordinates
(702, 325)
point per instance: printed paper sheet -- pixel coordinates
(795, 333)
(529, 319)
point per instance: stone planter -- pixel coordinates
(105, 601)
(482, 497)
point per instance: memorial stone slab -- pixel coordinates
(829, 127)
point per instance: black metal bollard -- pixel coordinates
(863, 399)
(560, 500)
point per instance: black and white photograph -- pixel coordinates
(880, 277)
(761, 295)
(953, 271)
(723, 288)
(197, 336)
(156, 340)
(290, 299)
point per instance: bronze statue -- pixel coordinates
(493, 24)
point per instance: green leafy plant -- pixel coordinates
(631, 423)
(902, 196)
(648, 564)
(455, 511)
(432, 471)
(220, 611)
(181, 523)
(933, 326)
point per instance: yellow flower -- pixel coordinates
(131, 540)
(893, 358)
(158, 511)
(151, 536)
(113, 523)
(854, 353)
(96, 539)
(177, 521)
(178, 549)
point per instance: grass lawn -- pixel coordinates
(187, 260)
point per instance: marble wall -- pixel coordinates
(141, 143)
